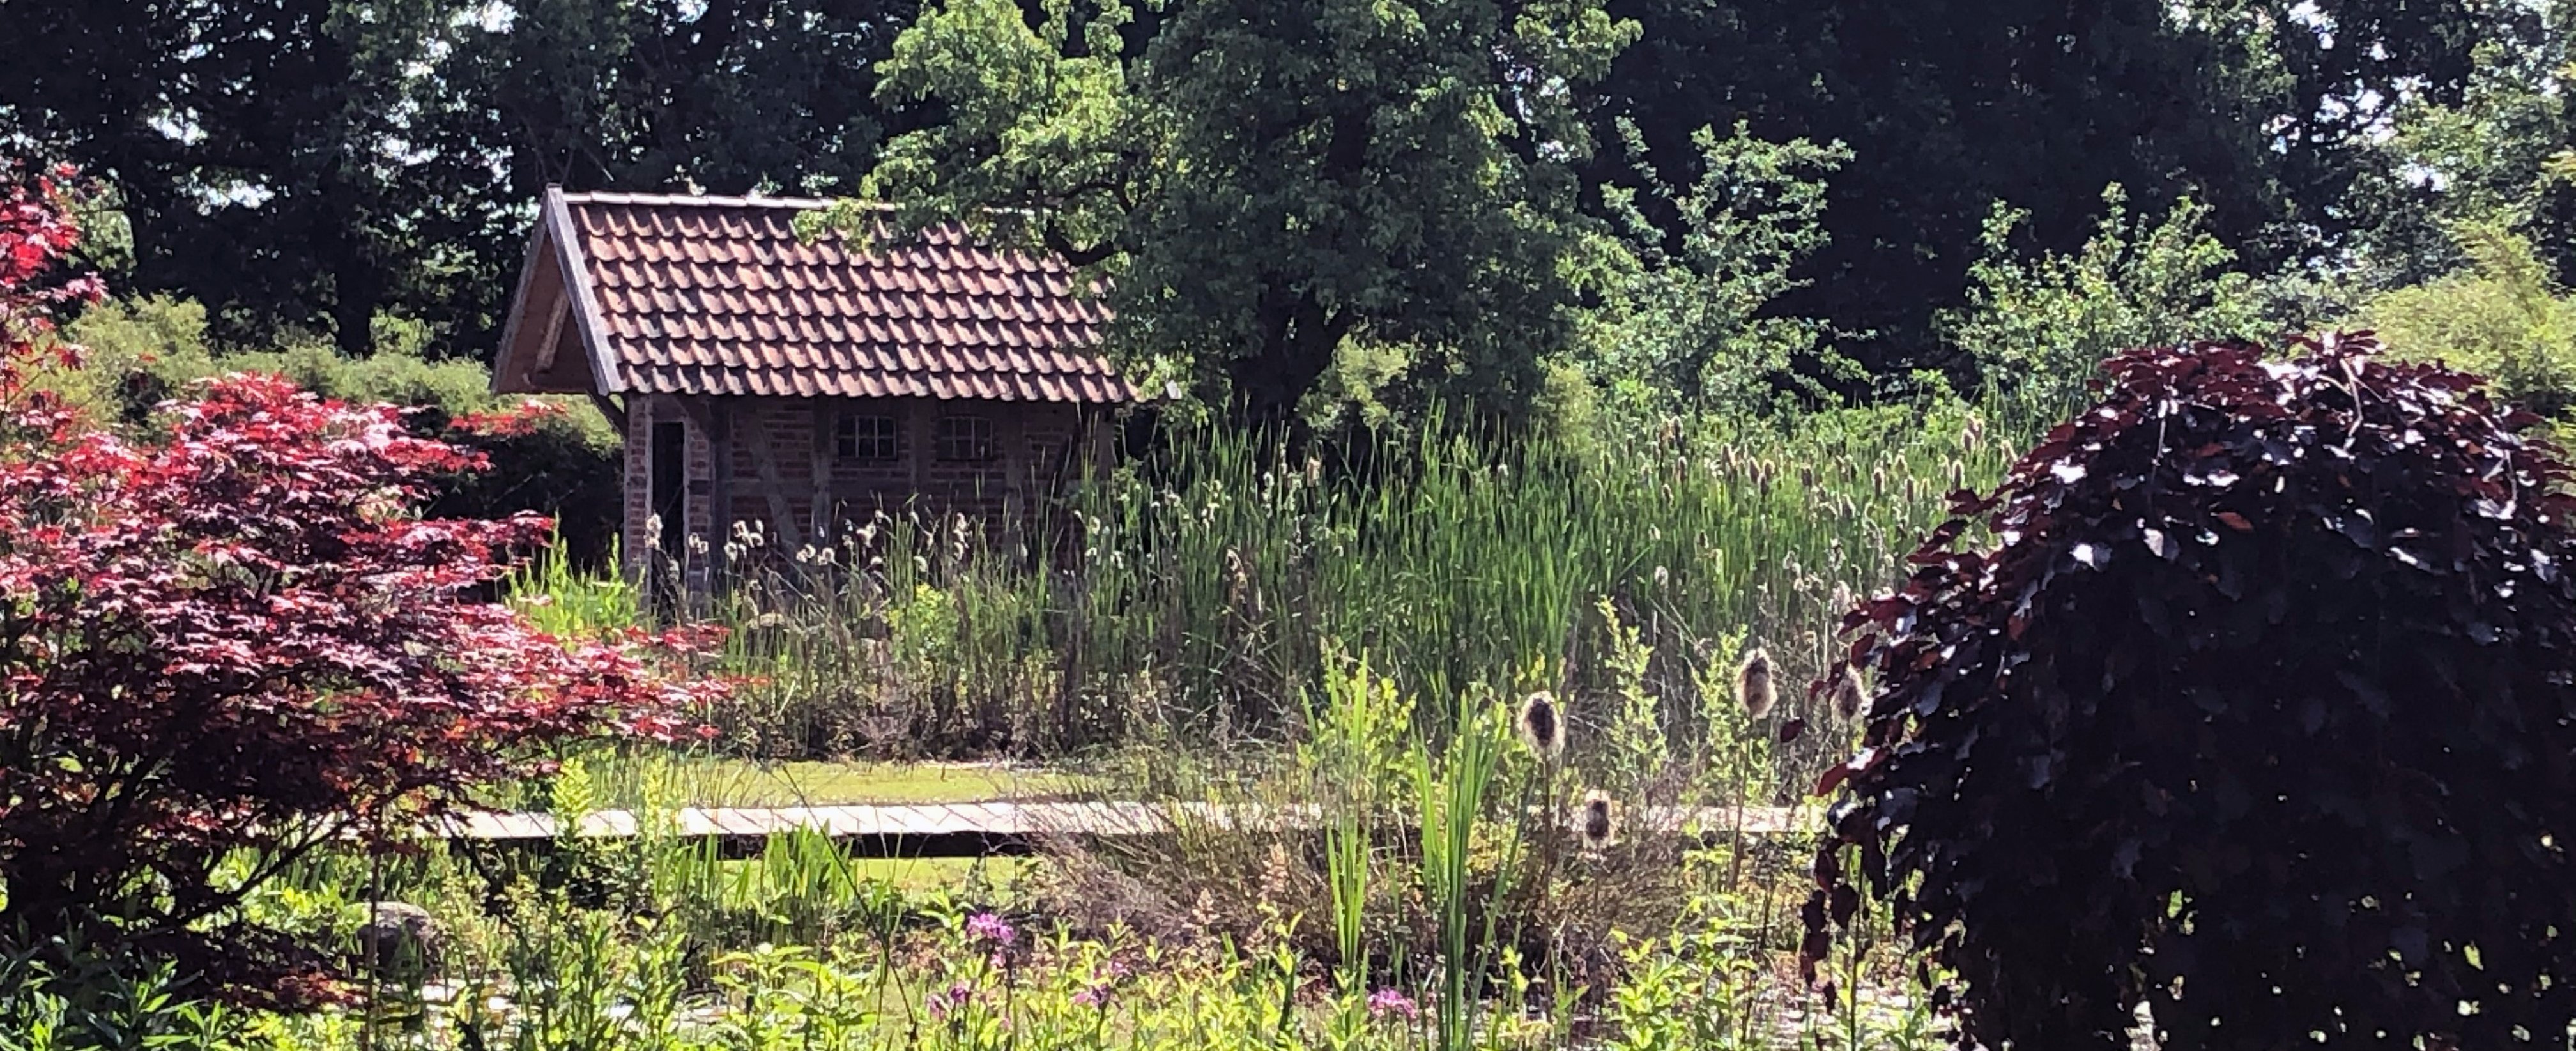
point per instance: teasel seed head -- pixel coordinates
(1753, 686)
(1542, 726)
(1849, 694)
(1600, 819)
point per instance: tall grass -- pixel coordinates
(1196, 594)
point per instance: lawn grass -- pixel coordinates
(712, 781)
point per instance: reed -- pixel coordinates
(1197, 593)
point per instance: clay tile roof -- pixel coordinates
(716, 295)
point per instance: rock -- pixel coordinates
(399, 940)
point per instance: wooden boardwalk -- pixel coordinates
(1000, 826)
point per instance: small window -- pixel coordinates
(965, 438)
(866, 438)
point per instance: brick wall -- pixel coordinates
(777, 464)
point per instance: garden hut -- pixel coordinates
(802, 384)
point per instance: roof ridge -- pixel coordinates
(711, 200)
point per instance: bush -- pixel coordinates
(2258, 711)
(2039, 329)
(143, 351)
(232, 641)
(2502, 317)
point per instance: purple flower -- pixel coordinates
(985, 926)
(1386, 1002)
(1105, 977)
(955, 996)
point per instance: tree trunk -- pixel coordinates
(1297, 345)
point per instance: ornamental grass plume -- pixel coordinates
(1599, 820)
(1753, 686)
(1542, 727)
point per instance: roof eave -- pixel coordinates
(528, 263)
(556, 217)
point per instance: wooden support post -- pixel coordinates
(821, 517)
(773, 484)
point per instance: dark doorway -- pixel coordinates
(670, 505)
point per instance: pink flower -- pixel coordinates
(985, 926)
(1386, 1002)
(1095, 996)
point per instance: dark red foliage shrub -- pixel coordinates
(240, 641)
(2259, 707)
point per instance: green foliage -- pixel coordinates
(1454, 791)
(1266, 183)
(1212, 582)
(1354, 750)
(67, 997)
(2492, 154)
(311, 165)
(1682, 322)
(145, 350)
(2502, 317)
(1950, 105)
(315, 164)
(2038, 327)
(2349, 561)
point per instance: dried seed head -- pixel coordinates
(1753, 687)
(1600, 819)
(1849, 694)
(1542, 726)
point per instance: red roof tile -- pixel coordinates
(716, 295)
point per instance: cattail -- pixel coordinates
(1600, 819)
(1542, 727)
(1753, 686)
(1848, 692)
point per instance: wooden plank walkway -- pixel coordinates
(1002, 826)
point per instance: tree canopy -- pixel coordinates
(1324, 199)
(1268, 183)
(312, 164)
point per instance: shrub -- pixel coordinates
(235, 638)
(2039, 328)
(2502, 317)
(2260, 710)
(142, 351)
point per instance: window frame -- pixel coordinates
(978, 431)
(850, 445)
